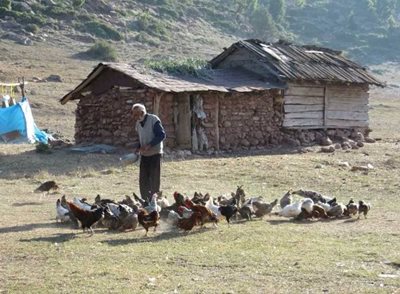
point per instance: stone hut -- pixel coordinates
(224, 109)
(256, 95)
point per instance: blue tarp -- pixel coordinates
(19, 118)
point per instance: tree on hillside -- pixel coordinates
(277, 9)
(263, 23)
(386, 10)
(6, 4)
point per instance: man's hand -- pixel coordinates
(144, 148)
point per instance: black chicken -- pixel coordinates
(228, 210)
(87, 217)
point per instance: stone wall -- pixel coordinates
(106, 118)
(244, 119)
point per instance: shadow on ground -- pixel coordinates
(56, 238)
(26, 227)
(154, 237)
(27, 164)
(60, 162)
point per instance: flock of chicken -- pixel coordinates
(186, 213)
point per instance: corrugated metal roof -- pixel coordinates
(220, 80)
(289, 62)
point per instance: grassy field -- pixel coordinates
(273, 255)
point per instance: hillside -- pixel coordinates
(368, 31)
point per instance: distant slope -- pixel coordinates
(368, 31)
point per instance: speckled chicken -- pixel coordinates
(363, 208)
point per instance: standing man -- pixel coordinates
(151, 135)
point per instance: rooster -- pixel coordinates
(87, 217)
(148, 220)
(47, 187)
(62, 212)
(363, 208)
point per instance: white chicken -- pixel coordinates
(214, 208)
(80, 202)
(308, 204)
(173, 218)
(291, 210)
(162, 201)
(153, 204)
(62, 212)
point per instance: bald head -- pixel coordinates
(138, 111)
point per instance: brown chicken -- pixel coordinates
(352, 208)
(206, 214)
(148, 220)
(187, 224)
(47, 187)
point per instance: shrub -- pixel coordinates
(43, 148)
(60, 12)
(78, 3)
(6, 4)
(190, 66)
(101, 30)
(103, 51)
(149, 24)
(145, 38)
(32, 28)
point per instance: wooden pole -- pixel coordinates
(325, 107)
(22, 86)
(217, 122)
(156, 104)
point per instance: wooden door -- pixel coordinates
(182, 114)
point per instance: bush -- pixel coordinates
(78, 3)
(60, 12)
(43, 148)
(32, 28)
(103, 51)
(149, 24)
(100, 30)
(6, 4)
(145, 38)
(190, 66)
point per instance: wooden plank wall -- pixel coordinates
(304, 105)
(331, 106)
(347, 106)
